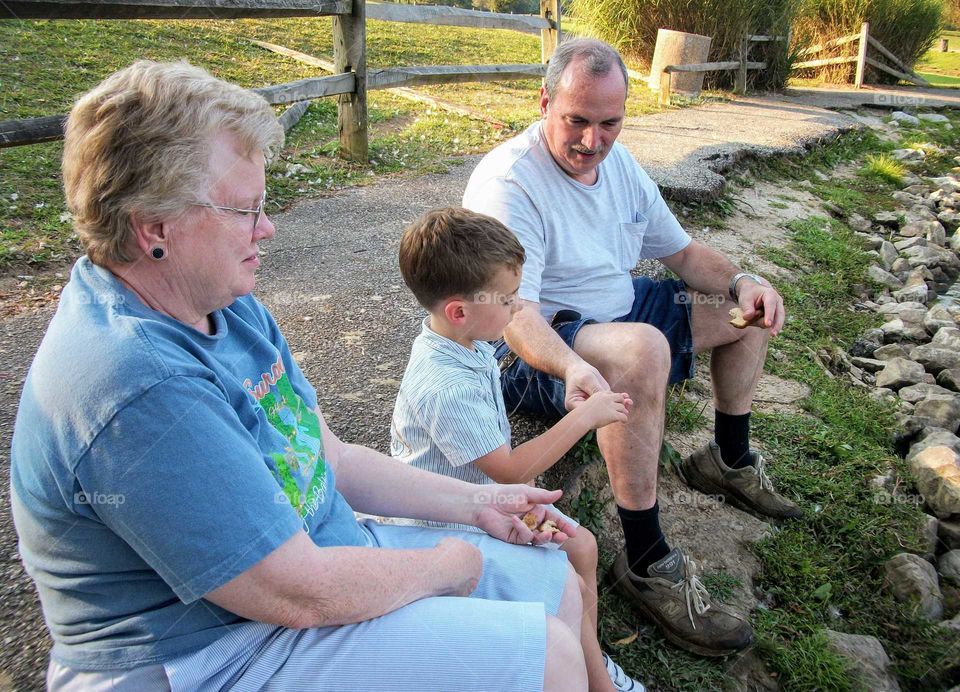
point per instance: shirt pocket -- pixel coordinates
(631, 242)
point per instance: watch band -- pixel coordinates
(736, 278)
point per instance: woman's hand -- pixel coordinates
(500, 509)
(461, 565)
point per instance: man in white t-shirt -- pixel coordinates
(585, 213)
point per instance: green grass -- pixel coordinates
(883, 168)
(50, 63)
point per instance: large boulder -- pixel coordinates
(943, 411)
(947, 337)
(916, 393)
(919, 229)
(889, 351)
(900, 372)
(888, 254)
(949, 379)
(901, 330)
(948, 532)
(949, 567)
(867, 658)
(935, 358)
(884, 278)
(912, 579)
(940, 316)
(936, 471)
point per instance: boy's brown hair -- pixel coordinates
(455, 252)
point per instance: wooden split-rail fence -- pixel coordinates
(350, 80)
(862, 59)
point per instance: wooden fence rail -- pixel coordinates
(351, 79)
(865, 41)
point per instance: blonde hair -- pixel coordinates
(138, 144)
(455, 252)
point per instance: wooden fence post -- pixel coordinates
(741, 86)
(350, 55)
(549, 38)
(862, 55)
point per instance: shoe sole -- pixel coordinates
(698, 482)
(671, 637)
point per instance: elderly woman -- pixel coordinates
(187, 515)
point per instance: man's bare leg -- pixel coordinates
(633, 358)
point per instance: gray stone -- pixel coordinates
(933, 117)
(952, 624)
(887, 218)
(914, 289)
(919, 228)
(919, 190)
(937, 234)
(901, 267)
(937, 476)
(948, 531)
(889, 351)
(899, 330)
(941, 316)
(867, 659)
(918, 392)
(916, 241)
(934, 358)
(906, 198)
(933, 437)
(869, 342)
(908, 311)
(949, 567)
(949, 379)
(907, 155)
(868, 241)
(947, 184)
(868, 364)
(884, 278)
(888, 254)
(919, 212)
(900, 372)
(953, 242)
(923, 256)
(929, 533)
(858, 223)
(904, 118)
(947, 337)
(883, 394)
(942, 409)
(950, 219)
(912, 579)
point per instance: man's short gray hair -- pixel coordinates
(597, 57)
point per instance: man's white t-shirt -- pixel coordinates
(581, 240)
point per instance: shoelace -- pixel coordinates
(694, 592)
(758, 470)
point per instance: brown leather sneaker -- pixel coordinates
(748, 488)
(674, 598)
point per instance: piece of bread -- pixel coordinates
(530, 520)
(738, 321)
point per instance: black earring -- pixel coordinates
(158, 253)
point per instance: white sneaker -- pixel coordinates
(622, 681)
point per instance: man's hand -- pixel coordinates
(460, 563)
(752, 296)
(501, 508)
(582, 380)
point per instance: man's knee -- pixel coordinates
(635, 353)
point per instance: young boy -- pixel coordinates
(464, 268)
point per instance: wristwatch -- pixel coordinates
(742, 275)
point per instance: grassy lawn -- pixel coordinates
(942, 69)
(50, 63)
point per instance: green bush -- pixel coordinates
(631, 26)
(907, 28)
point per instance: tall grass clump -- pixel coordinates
(631, 26)
(908, 28)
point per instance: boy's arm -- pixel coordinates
(529, 460)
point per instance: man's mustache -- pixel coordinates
(588, 152)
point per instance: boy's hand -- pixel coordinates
(501, 509)
(604, 408)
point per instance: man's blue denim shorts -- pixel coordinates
(661, 304)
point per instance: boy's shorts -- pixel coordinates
(661, 304)
(493, 640)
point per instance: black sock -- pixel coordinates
(644, 539)
(732, 434)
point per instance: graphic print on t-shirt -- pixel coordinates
(299, 468)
